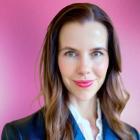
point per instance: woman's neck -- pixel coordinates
(86, 108)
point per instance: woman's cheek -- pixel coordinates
(101, 70)
(66, 66)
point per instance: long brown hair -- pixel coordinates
(112, 95)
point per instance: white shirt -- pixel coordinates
(84, 124)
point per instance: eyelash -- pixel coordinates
(69, 53)
(74, 54)
(97, 52)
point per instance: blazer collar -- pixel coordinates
(108, 133)
(76, 130)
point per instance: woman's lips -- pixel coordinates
(84, 83)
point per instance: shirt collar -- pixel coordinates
(81, 121)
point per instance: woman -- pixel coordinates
(80, 82)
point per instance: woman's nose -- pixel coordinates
(84, 66)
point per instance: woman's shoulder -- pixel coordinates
(31, 120)
(109, 133)
(29, 127)
(134, 131)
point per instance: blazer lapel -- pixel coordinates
(108, 133)
(76, 130)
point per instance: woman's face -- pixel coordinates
(83, 58)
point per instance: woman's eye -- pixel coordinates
(97, 53)
(70, 54)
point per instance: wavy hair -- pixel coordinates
(112, 94)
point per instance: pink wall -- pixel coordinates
(22, 29)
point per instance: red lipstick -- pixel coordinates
(84, 83)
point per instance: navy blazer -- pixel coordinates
(33, 128)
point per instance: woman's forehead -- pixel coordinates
(89, 33)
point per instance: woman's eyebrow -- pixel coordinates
(99, 49)
(91, 49)
(67, 48)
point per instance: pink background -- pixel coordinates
(23, 26)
